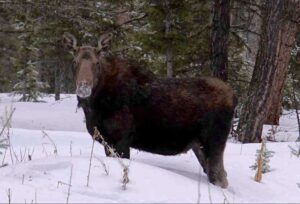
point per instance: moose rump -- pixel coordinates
(133, 108)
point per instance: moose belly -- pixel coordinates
(163, 141)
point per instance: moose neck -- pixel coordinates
(107, 76)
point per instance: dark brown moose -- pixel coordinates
(132, 107)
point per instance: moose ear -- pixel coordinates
(69, 41)
(104, 41)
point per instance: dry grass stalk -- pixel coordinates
(16, 156)
(59, 183)
(70, 184)
(52, 142)
(44, 149)
(9, 195)
(113, 153)
(23, 154)
(104, 167)
(125, 179)
(225, 201)
(30, 154)
(6, 126)
(7, 121)
(3, 165)
(35, 196)
(199, 186)
(95, 136)
(71, 149)
(4, 156)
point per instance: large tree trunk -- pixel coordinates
(287, 42)
(220, 38)
(272, 59)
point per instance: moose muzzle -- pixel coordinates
(83, 90)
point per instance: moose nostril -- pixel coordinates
(83, 83)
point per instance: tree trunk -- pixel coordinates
(169, 50)
(58, 77)
(57, 83)
(287, 42)
(220, 38)
(169, 59)
(296, 105)
(269, 62)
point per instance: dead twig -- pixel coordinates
(113, 153)
(44, 149)
(4, 157)
(71, 151)
(7, 121)
(125, 179)
(52, 142)
(104, 167)
(70, 184)
(9, 195)
(61, 183)
(30, 155)
(95, 136)
(3, 165)
(7, 125)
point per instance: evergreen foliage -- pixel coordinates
(32, 30)
(265, 154)
(29, 85)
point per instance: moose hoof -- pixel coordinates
(222, 184)
(220, 180)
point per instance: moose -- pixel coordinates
(132, 107)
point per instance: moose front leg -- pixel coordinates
(120, 130)
(123, 147)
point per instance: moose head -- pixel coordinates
(86, 62)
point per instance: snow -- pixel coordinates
(153, 178)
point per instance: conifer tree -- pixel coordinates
(29, 85)
(263, 155)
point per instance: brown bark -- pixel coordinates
(287, 42)
(220, 38)
(271, 61)
(122, 16)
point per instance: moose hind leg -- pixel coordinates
(123, 146)
(216, 172)
(198, 151)
(215, 149)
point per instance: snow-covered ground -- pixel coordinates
(153, 178)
